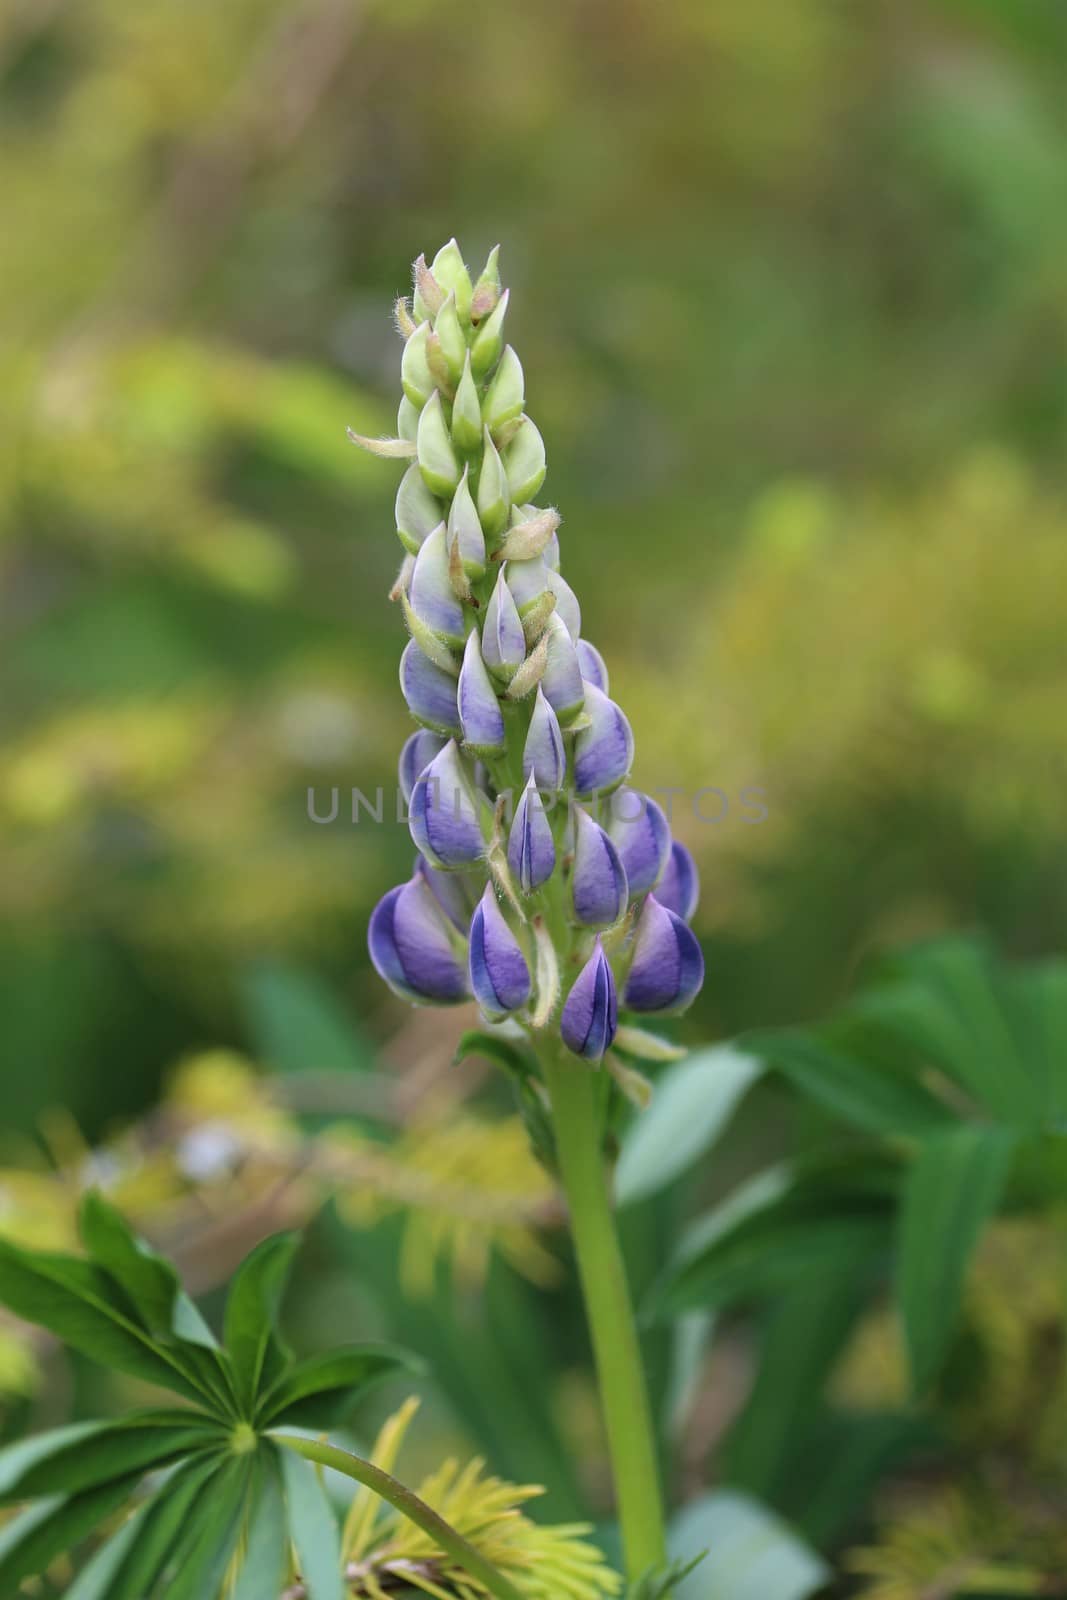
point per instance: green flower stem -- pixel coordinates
(403, 1500)
(624, 1395)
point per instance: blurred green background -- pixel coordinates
(790, 289)
(790, 286)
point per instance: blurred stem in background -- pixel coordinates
(620, 1374)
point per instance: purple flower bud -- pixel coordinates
(414, 949)
(567, 605)
(679, 888)
(479, 709)
(543, 755)
(429, 691)
(443, 816)
(531, 851)
(594, 667)
(562, 682)
(599, 883)
(432, 596)
(641, 835)
(668, 965)
(590, 1016)
(499, 975)
(604, 750)
(455, 892)
(419, 750)
(503, 641)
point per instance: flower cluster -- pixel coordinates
(544, 885)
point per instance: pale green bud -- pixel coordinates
(494, 501)
(530, 536)
(415, 372)
(528, 581)
(535, 618)
(429, 297)
(439, 366)
(465, 529)
(524, 461)
(487, 289)
(417, 511)
(407, 420)
(436, 456)
(467, 412)
(489, 340)
(505, 395)
(453, 344)
(450, 272)
(405, 322)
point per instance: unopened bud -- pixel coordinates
(467, 412)
(535, 619)
(415, 373)
(505, 395)
(494, 501)
(437, 458)
(524, 461)
(531, 672)
(466, 530)
(450, 336)
(449, 270)
(591, 1014)
(489, 340)
(503, 641)
(439, 367)
(433, 599)
(405, 322)
(487, 289)
(563, 684)
(429, 296)
(528, 539)
(417, 511)
(480, 715)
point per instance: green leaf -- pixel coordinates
(150, 1281)
(497, 1048)
(319, 1392)
(297, 1025)
(692, 1104)
(660, 1582)
(23, 1456)
(107, 1451)
(313, 1528)
(752, 1555)
(164, 1525)
(951, 1192)
(74, 1300)
(869, 1097)
(32, 1541)
(777, 1228)
(209, 1540)
(262, 1572)
(96, 1579)
(250, 1330)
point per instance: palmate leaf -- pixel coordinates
(222, 1488)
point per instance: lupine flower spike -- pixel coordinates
(544, 886)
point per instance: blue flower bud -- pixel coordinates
(567, 605)
(590, 1017)
(524, 461)
(668, 965)
(437, 459)
(463, 524)
(604, 749)
(594, 668)
(480, 715)
(450, 271)
(429, 691)
(503, 641)
(455, 892)
(489, 340)
(494, 499)
(543, 756)
(417, 510)
(414, 949)
(419, 750)
(415, 372)
(562, 682)
(467, 412)
(432, 596)
(450, 337)
(531, 851)
(679, 888)
(444, 814)
(642, 836)
(598, 885)
(499, 975)
(504, 397)
(528, 582)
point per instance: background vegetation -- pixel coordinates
(790, 283)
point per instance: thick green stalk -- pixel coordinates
(403, 1500)
(623, 1392)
